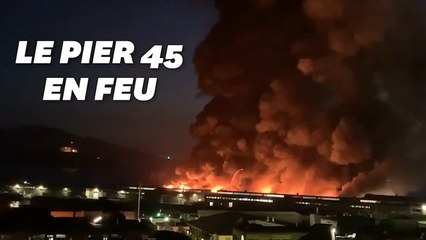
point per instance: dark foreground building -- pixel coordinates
(31, 223)
(242, 226)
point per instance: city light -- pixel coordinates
(97, 219)
(333, 233)
(368, 201)
(66, 191)
(69, 150)
(14, 204)
(353, 235)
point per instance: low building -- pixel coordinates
(241, 226)
(214, 227)
(264, 230)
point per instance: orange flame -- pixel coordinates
(267, 189)
(216, 189)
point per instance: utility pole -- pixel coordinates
(139, 202)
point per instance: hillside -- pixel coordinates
(37, 153)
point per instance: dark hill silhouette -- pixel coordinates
(33, 152)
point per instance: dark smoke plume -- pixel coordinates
(312, 97)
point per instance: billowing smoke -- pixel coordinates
(312, 97)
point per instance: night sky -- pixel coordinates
(160, 126)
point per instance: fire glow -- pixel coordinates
(184, 187)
